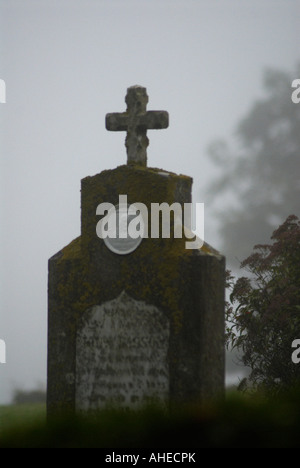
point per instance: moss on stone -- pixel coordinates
(160, 272)
(152, 271)
(72, 250)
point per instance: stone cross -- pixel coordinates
(136, 121)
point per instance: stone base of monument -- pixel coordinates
(135, 329)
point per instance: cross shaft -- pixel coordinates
(136, 121)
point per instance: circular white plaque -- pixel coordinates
(126, 229)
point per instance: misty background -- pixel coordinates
(66, 63)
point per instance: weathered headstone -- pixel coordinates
(133, 321)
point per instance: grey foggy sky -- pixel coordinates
(66, 64)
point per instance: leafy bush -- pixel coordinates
(263, 315)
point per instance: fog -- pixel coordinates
(68, 63)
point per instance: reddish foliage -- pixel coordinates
(264, 315)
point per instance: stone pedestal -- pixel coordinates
(125, 330)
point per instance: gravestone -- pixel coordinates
(133, 320)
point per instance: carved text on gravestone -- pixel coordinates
(122, 355)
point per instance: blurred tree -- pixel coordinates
(29, 396)
(263, 314)
(259, 170)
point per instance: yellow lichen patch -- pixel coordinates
(206, 248)
(72, 250)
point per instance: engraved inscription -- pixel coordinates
(121, 355)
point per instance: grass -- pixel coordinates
(237, 422)
(13, 417)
